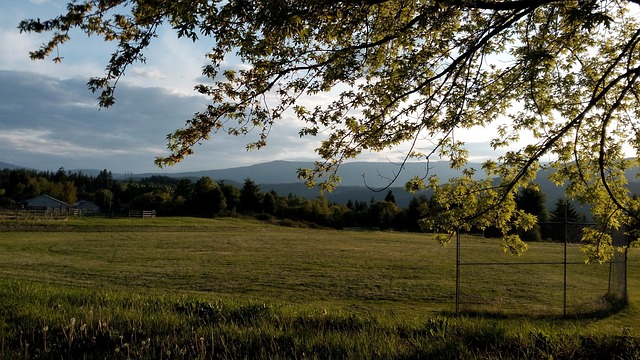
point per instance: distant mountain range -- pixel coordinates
(4, 165)
(361, 181)
(372, 174)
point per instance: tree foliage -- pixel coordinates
(533, 201)
(250, 196)
(564, 73)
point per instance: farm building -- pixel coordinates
(87, 206)
(46, 202)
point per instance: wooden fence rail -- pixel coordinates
(145, 214)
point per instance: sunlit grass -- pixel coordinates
(237, 258)
(197, 287)
(399, 273)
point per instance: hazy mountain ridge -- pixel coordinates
(4, 165)
(359, 179)
(372, 174)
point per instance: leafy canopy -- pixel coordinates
(564, 72)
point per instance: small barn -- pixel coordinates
(46, 202)
(87, 206)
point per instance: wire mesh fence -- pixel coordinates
(549, 279)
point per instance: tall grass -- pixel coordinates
(45, 322)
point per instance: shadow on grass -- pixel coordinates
(594, 311)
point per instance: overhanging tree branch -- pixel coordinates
(401, 69)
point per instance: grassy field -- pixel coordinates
(239, 259)
(393, 287)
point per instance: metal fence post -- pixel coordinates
(566, 235)
(457, 271)
(626, 276)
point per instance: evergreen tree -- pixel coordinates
(60, 176)
(269, 203)
(250, 197)
(564, 218)
(104, 180)
(184, 189)
(418, 209)
(532, 201)
(563, 210)
(350, 204)
(390, 198)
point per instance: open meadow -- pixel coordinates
(235, 288)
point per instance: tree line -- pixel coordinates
(206, 197)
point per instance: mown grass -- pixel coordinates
(240, 258)
(534, 282)
(233, 288)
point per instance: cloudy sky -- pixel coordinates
(48, 118)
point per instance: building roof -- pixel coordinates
(87, 205)
(46, 200)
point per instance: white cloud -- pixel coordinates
(171, 63)
(50, 122)
(148, 73)
(39, 142)
(15, 48)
